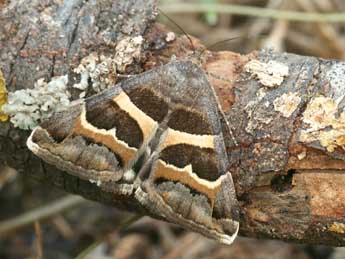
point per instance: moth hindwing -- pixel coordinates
(156, 137)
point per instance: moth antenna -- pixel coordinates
(217, 43)
(178, 26)
(224, 41)
(221, 42)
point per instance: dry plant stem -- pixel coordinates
(184, 244)
(39, 241)
(301, 41)
(166, 235)
(63, 227)
(42, 213)
(192, 245)
(325, 6)
(276, 37)
(124, 224)
(327, 32)
(89, 249)
(253, 11)
(257, 26)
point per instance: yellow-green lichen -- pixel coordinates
(337, 227)
(287, 103)
(3, 97)
(325, 123)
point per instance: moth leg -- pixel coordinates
(131, 178)
(145, 169)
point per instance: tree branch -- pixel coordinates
(286, 112)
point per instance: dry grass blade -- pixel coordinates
(127, 222)
(253, 11)
(41, 213)
(39, 246)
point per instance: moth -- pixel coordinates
(156, 138)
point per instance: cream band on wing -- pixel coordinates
(147, 125)
(173, 137)
(187, 177)
(106, 137)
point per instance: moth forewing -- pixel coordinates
(58, 142)
(188, 181)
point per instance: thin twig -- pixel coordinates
(39, 245)
(89, 249)
(63, 227)
(253, 11)
(40, 213)
(128, 221)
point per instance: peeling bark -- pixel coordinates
(287, 151)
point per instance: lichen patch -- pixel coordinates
(3, 97)
(126, 51)
(97, 182)
(255, 118)
(337, 227)
(170, 36)
(302, 154)
(287, 103)
(28, 107)
(99, 69)
(324, 123)
(270, 74)
(102, 70)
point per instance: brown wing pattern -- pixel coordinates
(164, 128)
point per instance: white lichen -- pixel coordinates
(30, 106)
(126, 51)
(100, 69)
(325, 123)
(97, 182)
(170, 36)
(287, 103)
(270, 74)
(255, 118)
(302, 154)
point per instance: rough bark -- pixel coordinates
(289, 183)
